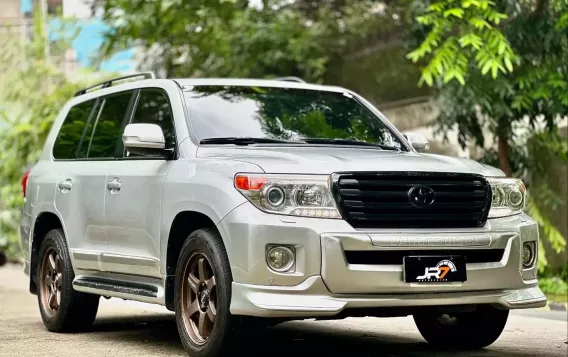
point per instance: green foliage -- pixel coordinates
(221, 38)
(527, 42)
(532, 157)
(462, 34)
(554, 286)
(553, 235)
(33, 90)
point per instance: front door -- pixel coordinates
(134, 196)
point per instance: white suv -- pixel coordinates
(224, 199)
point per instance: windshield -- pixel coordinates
(283, 113)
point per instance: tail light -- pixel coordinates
(25, 182)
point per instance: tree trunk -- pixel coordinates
(503, 154)
(540, 7)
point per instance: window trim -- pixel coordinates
(129, 114)
(82, 140)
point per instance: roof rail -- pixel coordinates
(290, 79)
(107, 84)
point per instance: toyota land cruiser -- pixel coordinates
(232, 200)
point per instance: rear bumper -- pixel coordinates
(313, 299)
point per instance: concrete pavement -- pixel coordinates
(134, 329)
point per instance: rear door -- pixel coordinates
(79, 191)
(134, 194)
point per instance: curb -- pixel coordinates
(556, 306)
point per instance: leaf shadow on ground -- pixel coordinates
(298, 339)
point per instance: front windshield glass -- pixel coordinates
(282, 113)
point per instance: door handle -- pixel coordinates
(65, 186)
(114, 185)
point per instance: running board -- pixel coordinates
(108, 287)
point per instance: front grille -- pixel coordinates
(381, 200)
(395, 257)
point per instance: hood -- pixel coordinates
(327, 160)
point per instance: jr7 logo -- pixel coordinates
(438, 272)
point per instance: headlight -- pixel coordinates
(509, 197)
(294, 195)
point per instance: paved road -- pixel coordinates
(135, 329)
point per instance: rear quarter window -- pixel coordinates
(69, 136)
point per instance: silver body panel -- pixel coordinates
(312, 299)
(123, 235)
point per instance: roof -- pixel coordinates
(254, 83)
(147, 80)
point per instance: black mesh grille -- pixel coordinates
(381, 200)
(395, 257)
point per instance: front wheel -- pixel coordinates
(203, 295)
(464, 330)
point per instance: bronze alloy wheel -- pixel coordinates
(50, 282)
(199, 298)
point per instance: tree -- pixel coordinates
(33, 91)
(221, 38)
(501, 76)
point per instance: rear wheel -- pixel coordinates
(62, 308)
(464, 330)
(203, 295)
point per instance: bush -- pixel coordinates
(554, 286)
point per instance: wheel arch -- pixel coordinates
(44, 222)
(184, 223)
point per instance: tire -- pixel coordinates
(74, 311)
(205, 248)
(465, 330)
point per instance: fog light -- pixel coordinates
(528, 254)
(280, 258)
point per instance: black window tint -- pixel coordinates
(108, 126)
(82, 153)
(153, 108)
(69, 136)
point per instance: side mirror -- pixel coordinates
(417, 141)
(144, 139)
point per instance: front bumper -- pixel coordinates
(324, 283)
(313, 299)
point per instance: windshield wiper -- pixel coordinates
(251, 140)
(348, 142)
(247, 141)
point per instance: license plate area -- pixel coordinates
(434, 269)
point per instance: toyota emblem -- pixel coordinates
(421, 196)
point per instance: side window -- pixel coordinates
(108, 126)
(154, 108)
(82, 153)
(71, 131)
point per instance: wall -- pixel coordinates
(10, 9)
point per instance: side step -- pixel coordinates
(114, 288)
